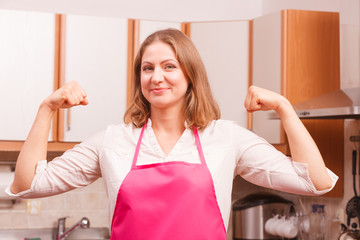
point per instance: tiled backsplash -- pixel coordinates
(90, 202)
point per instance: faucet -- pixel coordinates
(62, 234)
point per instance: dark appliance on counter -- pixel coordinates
(251, 213)
(351, 231)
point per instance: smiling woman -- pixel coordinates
(169, 169)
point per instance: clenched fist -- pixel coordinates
(260, 99)
(69, 95)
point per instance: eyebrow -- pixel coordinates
(166, 60)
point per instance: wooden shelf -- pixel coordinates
(11, 146)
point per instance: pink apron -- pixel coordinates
(171, 200)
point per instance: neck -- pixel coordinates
(167, 120)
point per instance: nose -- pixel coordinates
(157, 76)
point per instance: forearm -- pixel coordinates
(302, 146)
(35, 146)
(33, 150)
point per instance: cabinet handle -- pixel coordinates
(68, 120)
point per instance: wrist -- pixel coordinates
(46, 109)
(284, 107)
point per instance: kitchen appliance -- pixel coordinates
(251, 213)
(353, 206)
(349, 234)
(339, 104)
(352, 209)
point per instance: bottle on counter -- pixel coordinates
(317, 222)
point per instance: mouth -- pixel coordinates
(159, 90)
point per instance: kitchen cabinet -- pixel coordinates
(47, 50)
(296, 53)
(224, 49)
(94, 53)
(97, 52)
(147, 27)
(26, 69)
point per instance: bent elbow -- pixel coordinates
(326, 185)
(16, 188)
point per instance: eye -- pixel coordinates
(169, 67)
(147, 68)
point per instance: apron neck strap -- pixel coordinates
(138, 146)
(197, 140)
(198, 145)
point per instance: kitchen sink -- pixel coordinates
(50, 234)
(90, 234)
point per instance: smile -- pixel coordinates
(159, 90)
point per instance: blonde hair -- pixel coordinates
(201, 107)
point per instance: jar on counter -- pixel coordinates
(317, 222)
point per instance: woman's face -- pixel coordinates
(163, 82)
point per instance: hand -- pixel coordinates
(69, 95)
(260, 99)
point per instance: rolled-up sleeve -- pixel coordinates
(77, 167)
(261, 164)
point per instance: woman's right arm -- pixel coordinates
(35, 145)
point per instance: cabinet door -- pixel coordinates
(26, 69)
(266, 71)
(148, 27)
(224, 48)
(95, 55)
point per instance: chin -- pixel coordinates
(163, 105)
(160, 105)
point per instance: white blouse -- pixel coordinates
(228, 148)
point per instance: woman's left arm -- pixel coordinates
(302, 146)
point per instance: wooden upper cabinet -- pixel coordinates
(40, 52)
(311, 56)
(93, 53)
(26, 69)
(224, 49)
(297, 53)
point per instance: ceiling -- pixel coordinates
(170, 10)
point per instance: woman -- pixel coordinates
(168, 170)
